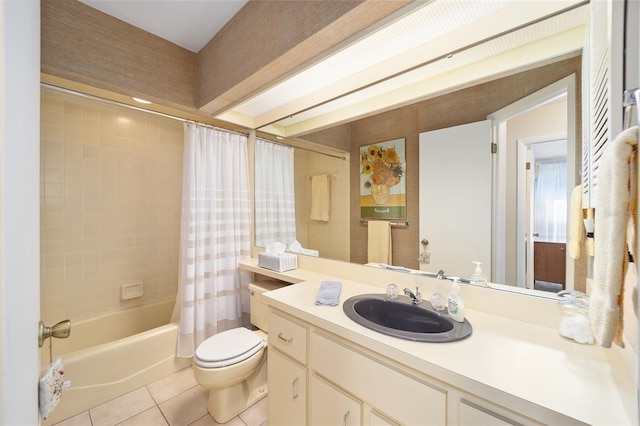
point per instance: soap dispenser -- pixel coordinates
(456, 302)
(478, 277)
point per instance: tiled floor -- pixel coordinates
(175, 400)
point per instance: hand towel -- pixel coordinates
(329, 293)
(613, 212)
(576, 229)
(50, 388)
(379, 244)
(320, 197)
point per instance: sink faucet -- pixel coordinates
(416, 298)
(440, 275)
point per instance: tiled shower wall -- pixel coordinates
(110, 205)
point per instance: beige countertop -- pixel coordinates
(518, 364)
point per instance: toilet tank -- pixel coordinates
(258, 306)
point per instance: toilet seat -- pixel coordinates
(227, 348)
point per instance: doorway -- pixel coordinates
(542, 207)
(522, 123)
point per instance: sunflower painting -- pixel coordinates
(382, 180)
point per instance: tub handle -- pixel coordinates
(294, 389)
(289, 340)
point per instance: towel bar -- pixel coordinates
(405, 223)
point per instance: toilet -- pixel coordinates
(233, 364)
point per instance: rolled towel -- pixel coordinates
(329, 293)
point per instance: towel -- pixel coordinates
(613, 212)
(379, 245)
(50, 388)
(329, 293)
(576, 229)
(320, 197)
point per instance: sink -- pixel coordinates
(401, 318)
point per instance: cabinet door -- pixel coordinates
(329, 405)
(287, 390)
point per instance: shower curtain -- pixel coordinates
(550, 201)
(214, 236)
(274, 194)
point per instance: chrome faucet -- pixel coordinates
(416, 298)
(440, 275)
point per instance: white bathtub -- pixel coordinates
(113, 354)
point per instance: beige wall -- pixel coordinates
(110, 205)
(330, 238)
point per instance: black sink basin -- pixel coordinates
(401, 318)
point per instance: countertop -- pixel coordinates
(518, 364)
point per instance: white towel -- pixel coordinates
(379, 243)
(329, 293)
(613, 212)
(576, 229)
(320, 197)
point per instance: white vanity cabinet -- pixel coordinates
(287, 371)
(389, 395)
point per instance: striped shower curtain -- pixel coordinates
(214, 236)
(274, 194)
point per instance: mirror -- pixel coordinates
(458, 104)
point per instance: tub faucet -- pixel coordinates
(440, 275)
(416, 298)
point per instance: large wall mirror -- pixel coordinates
(490, 88)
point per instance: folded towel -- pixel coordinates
(320, 197)
(379, 244)
(576, 229)
(329, 293)
(613, 212)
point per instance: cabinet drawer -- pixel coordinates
(378, 383)
(288, 336)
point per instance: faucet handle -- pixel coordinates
(418, 295)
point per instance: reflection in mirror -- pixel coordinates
(326, 234)
(469, 101)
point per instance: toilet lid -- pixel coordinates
(228, 347)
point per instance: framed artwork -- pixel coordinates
(383, 192)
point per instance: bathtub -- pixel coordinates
(110, 355)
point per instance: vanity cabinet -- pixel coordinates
(388, 394)
(287, 371)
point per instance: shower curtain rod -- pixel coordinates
(136, 108)
(341, 157)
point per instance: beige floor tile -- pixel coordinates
(170, 386)
(81, 419)
(207, 420)
(255, 415)
(151, 417)
(187, 407)
(121, 408)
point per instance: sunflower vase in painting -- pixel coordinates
(382, 183)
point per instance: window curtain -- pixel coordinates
(214, 236)
(550, 202)
(274, 194)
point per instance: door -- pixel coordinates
(455, 203)
(20, 210)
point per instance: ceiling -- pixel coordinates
(434, 47)
(187, 23)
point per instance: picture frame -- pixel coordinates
(383, 193)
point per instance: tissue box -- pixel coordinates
(279, 262)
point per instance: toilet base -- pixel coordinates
(226, 403)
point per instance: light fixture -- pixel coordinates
(142, 101)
